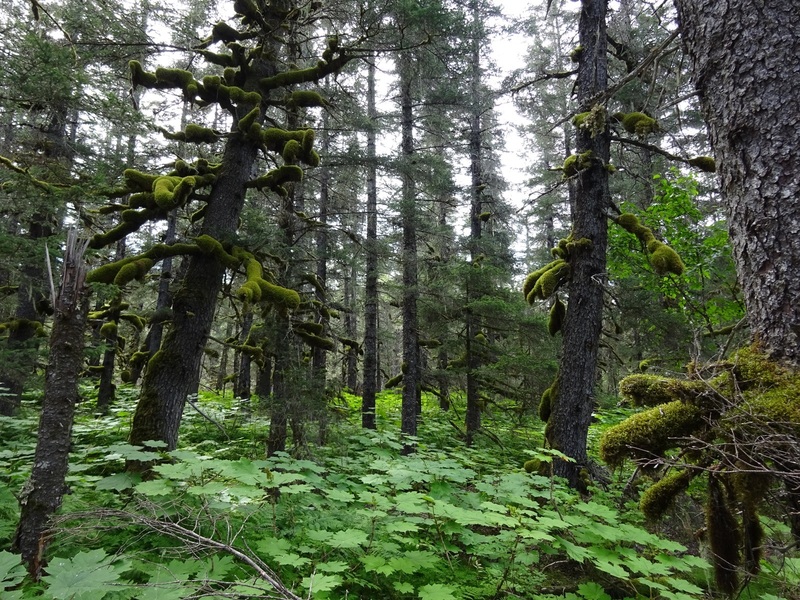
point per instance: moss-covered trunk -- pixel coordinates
(571, 413)
(746, 68)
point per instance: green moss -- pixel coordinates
(310, 327)
(171, 192)
(140, 77)
(247, 121)
(660, 496)
(393, 382)
(665, 260)
(109, 330)
(646, 390)
(530, 280)
(136, 269)
(704, 163)
(222, 32)
(557, 314)
(177, 78)
(304, 98)
(650, 433)
(277, 177)
(545, 404)
(549, 282)
(315, 340)
(638, 123)
(292, 151)
(575, 55)
(576, 163)
(279, 296)
(485, 216)
(138, 181)
(195, 134)
(209, 246)
(223, 60)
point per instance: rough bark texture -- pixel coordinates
(172, 372)
(42, 494)
(371, 247)
(572, 410)
(746, 62)
(408, 215)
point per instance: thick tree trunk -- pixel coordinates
(746, 62)
(173, 372)
(569, 421)
(408, 216)
(43, 492)
(371, 286)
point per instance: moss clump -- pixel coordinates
(171, 192)
(664, 259)
(659, 497)
(637, 122)
(393, 382)
(576, 163)
(304, 99)
(316, 341)
(646, 390)
(109, 330)
(247, 121)
(550, 281)
(575, 55)
(135, 269)
(650, 433)
(704, 163)
(277, 177)
(195, 134)
(545, 404)
(310, 327)
(138, 181)
(557, 314)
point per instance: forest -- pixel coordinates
(404, 299)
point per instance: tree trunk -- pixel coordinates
(42, 494)
(746, 69)
(371, 286)
(241, 383)
(569, 421)
(473, 328)
(408, 216)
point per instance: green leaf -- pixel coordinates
(339, 495)
(593, 591)
(401, 527)
(685, 586)
(348, 538)
(614, 569)
(403, 587)
(598, 510)
(290, 559)
(11, 570)
(377, 564)
(333, 566)
(155, 487)
(318, 583)
(436, 591)
(86, 576)
(119, 482)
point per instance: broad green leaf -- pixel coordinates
(377, 564)
(247, 472)
(11, 570)
(403, 587)
(319, 535)
(614, 569)
(685, 586)
(290, 559)
(593, 591)
(86, 576)
(155, 487)
(348, 538)
(334, 566)
(436, 591)
(317, 582)
(576, 553)
(411, 503)
(401, 527)
(297, 488)
(129, 452)
(640, 564)
(339, 495)
(119, 482)
(598, 510)
(212, 488)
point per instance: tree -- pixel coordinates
(42, 494)
(745, 67)
(573, 401)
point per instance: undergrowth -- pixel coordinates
(358, 519)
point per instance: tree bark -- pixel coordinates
(42, 494)
(569, 421)
(745, 60)
(472, 325)
(371, 246)
(408, 216)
